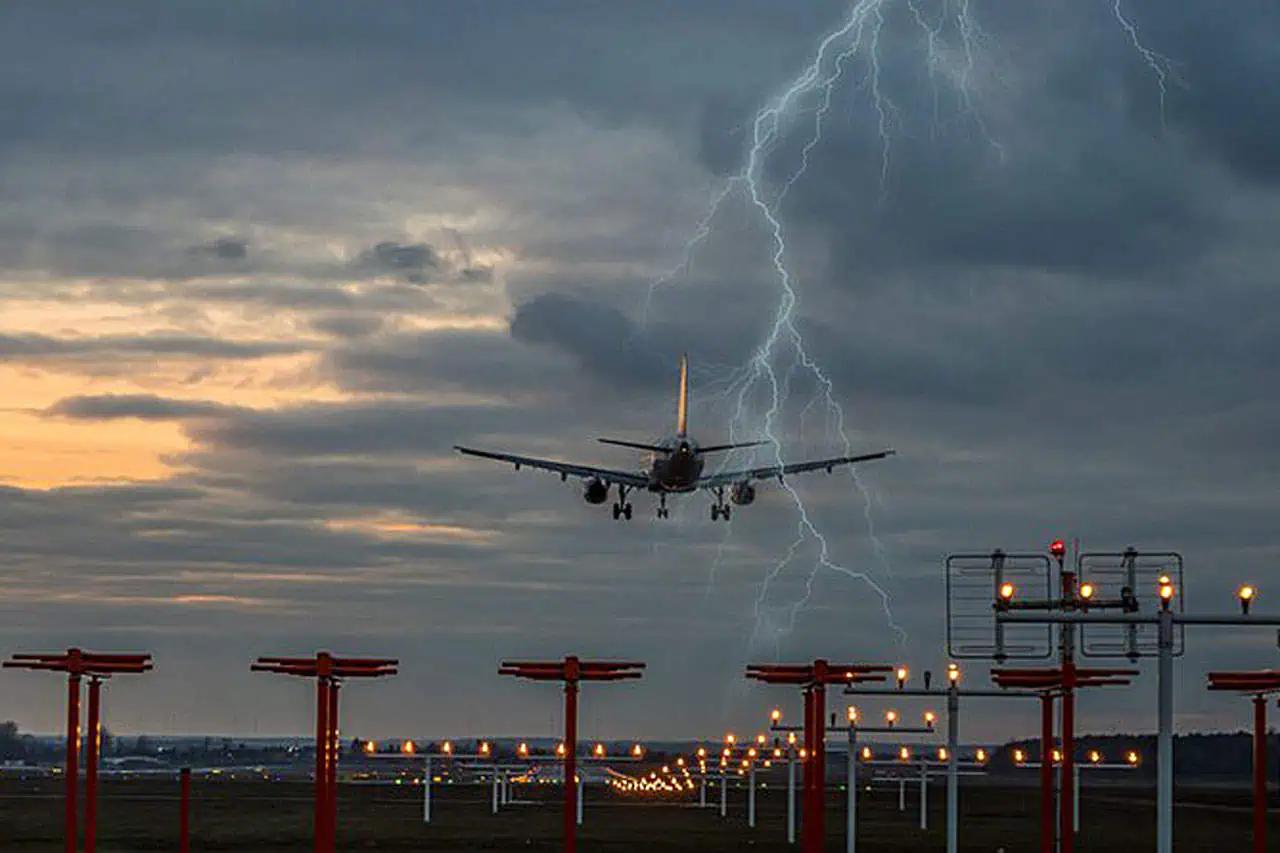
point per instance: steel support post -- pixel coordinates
(322, 763)
(1046, 773)
(1066, 800)
(1164, 736)
(953, 769)
(331, 783)
(72, 780)
(924, 795)
(851, 804)
(426, 789)
(751, 795)
(1259, 774)
(791, 797)
(92, 727)
(902, 795)
(581, 796)
(184, 810)
(724, 794)
(570, 765)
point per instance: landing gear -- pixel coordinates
(663, 512)
(622, 509)
(720, 509)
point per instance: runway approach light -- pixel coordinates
(791, 738)
(930, 718)
(1246, 595)
(904, 754)
(953, 673)
(852, 714)
(891, 717)
(446, 748)
(981, 756)
(408, 748)
(942, 753)
(1057, 756)
(1094, 756)
(1166, 591)
(637, 751)
(1006, 593)
(1086, 591)
(484, 748)
(730, 739)
(1058, 548)
(702, 753)
(760, 740)
(523, 750)
(867, 754)
(775, 716)
(560, 750)
(598, 752)
(902, 674)
(370, 747)
(1132, 757)
(1019, 756)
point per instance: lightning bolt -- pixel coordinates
(1161, 66)
(782, 355)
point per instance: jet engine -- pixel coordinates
(742, 493)
(596, 492)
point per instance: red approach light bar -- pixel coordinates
(78, 663)
(571, 671)
(814, 678)
(328, 671)
(1257, 683)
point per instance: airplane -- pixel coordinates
(675, 467)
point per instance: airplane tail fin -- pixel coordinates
(682, 407)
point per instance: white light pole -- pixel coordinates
(581, 786)
(426, 789)
(751, 795)
(724, 794)
(924, 795)
(791, 795)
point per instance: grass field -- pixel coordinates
(255, 816)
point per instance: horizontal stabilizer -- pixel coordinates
(634, 444)
(718, 447)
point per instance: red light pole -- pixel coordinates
(328, 671)
(571, 670)
(1060, 682)
(1259, 684)
(96, 665)
(813, 679)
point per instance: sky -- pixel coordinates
(263, 264)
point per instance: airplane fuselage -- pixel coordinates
(677, 469)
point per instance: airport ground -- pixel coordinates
(258, 816)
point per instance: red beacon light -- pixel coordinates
(1058, 548)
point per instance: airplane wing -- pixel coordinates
(723, 479)
(564, 469)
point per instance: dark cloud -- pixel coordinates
(141, 406)
(412, 261)
(31, 346)
(348, 325)
(223, 248)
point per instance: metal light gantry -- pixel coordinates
(97, 666)
(328, 671)
(952, 693)
(813, 679)
(1259, 684)
(1165, 621)
(571, 671)
(1094, 763)
(851, 730)
(1059, 682)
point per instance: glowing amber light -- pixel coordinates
(599, 751)
(1086, 590)
(1019, 756)
(446, 748)
(702, 752)
(1057, 755)
(408, 748)
(891, 717)
(523, 749)
(1131, 757)
(902, 673)
(484, 748)
(775, 715)
(953, 673)
(1095, 756)
(942, 753)
(981, 755)
(929, 718)
(852, 713)
(904, 753)
(637, 750)
(1007, 590)
(791, 738)
(1246, 592)
(370, 747)
(866, 753)
(730, 739)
